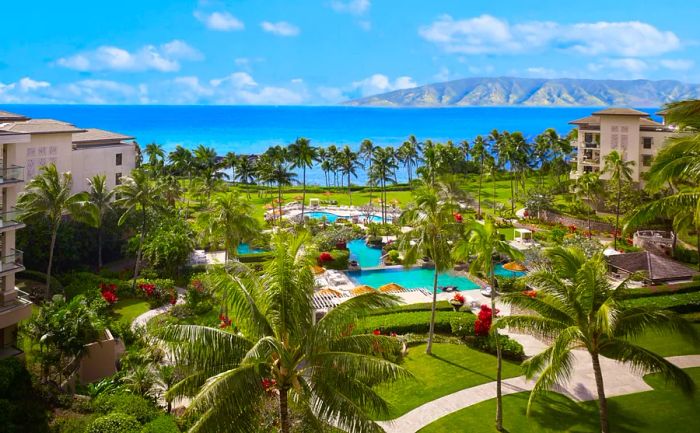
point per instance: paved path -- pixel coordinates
(142, 320)
(619, 379)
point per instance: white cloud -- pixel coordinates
(355, 7)
(26, 84)
(236, 80)
(220, 21)
(380, 83)
(620, 68)
(281, 28)
(677, 64)
(165, 58)
(487, 34)
(443, 74)
(27, 90)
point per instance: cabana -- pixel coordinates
(656, 269)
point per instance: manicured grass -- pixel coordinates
(669, 344)
(665, 409)
(210, 318)
(450, 368)
(126, 310)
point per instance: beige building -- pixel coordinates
(27, 145)
(631, 132)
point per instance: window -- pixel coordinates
(646, 160)
(623, 141)
(647, 142)
(119, 159)
(118, 179)
(624, 129)
(614, 140)
(615, 129)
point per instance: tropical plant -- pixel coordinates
(434, 227)
(281, 175)
(231, 219)
(137, 196)
(230, 161)
(182, 163)
(349, 163)
(577, 307)
(480, 243)
(409, 155)
(480, 153)
(620, 171)
(383, 169)
(367, 149)
(302, 155)
(280, 351)
(245, 171)
(100, 198)
(156, 157)
(588, 186)
(48, 195)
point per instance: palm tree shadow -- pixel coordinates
(461, 367)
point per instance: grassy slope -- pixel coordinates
(126, 310)
(450, 369)
(665, 409)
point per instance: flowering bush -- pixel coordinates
(325, 257)
(268, 384)
(109, 293)
(530, 293)
(572, 228)
(458, 298)
(482, 326)
(458, 217)
(377, 332)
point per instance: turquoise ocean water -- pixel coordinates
(252, 129)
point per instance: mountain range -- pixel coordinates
(558, 92)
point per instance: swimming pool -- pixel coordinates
(331, 217)
(247, 249)
(418, 278)
(367, 257)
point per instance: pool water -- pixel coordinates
(367, 257)
(247, 249)
(331, 217)
(499, 271)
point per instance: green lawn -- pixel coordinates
(669, 344)
(210, 318)
(665, 409)
(126, 310)
(451, 368)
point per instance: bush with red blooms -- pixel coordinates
(224, 321)
(268, 384)
(325, 257)
(147, 289)
(458, 299)
(458, 217)
(197, 285)
(530, 293)
(572, 228)
(482, 325)
(109, 293)
(377, 332)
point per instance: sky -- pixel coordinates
(326, 51)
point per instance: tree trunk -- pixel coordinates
(697, 242)
(99, 248)
(48, 269)
(284, 412)
(481, 176)
(303, 194)
(431, 331)
(602, 401)
(349, 189)
(138, 253)
(499, 358)
(279, 202)
(512, 195)
(617, 213)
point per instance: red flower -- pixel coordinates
(572, 228)
(530, 293)
(458, 298)
(173, 300)
(458, 217)
(224, 321)
(268, 384)
(377, 332)
(325, 257)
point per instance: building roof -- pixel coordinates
(595, 120)
(94, 136)
(620, 112)
(12, 117)
(657, 268)
(40, 126)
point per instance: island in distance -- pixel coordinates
(558, 92)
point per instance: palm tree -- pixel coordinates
(48, 195)
(430, 162)
(232, 218)
(230, 161)
(620, 171)
(480, 243)
(367, 149)
(156, 156)
(170, 189)
(303, 155)
(100, 199)
(543, 150)
(349, 163)
(589, 187)
(183, 163)
(137, 195)
(383, 166)
(466, 149)
(577, 307)
(409, 154)
(282, 176)
(480, 154)
(245, 171)
(434, 226)
(326, 371)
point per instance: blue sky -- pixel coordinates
(326, 51)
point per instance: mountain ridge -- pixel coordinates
(535, 92)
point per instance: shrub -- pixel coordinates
(40, 277)
(71, 423)
(393, 257)
(20, 410)
(340, 259)
(685, 255)
(463, 325)
(116, 422)
(255, 257)
(510, 349)
(132, 404)
(87, 283)
(424, 306)
(663, 290)
(680, 303)
(162, 424)
(416, 322)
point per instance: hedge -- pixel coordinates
(681, 302)
(132, 404)
(340, 260)
(162, 424)
(425, 306)
(417, 322)
(510, 349)
(256, 257)
(116, 422)
(663, 290)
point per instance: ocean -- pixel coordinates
(252, 129)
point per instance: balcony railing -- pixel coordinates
(11, 174)
(591, 145)
(9, 220)
(591, 160)
(12, 262)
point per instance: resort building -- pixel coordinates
(83, 152)
(631, 132)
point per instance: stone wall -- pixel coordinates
(579, 223)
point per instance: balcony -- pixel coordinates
(10, 221)
(15, 309)
(591, 145)
(594, 161)
(12, 262)
(12, 174)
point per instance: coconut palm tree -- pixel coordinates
(480, 243)
(229, 161)
(430, 162)
(620, 172)
(48, 195)
(156, 157)
(231, 218)
(282, 176)
(479, 153)
(349, 163)
(577, 307)
(543, 150)
(183, 163)
(434, 228)
(137, 195)
(367, 149)
(280, 351)
(100, 198)
(245, 171)
(409, 155)
(589, 187)
(302, 155)
(383, 169)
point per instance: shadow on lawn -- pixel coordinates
(462, 367)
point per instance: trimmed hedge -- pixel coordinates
(116, 422)
(681, 303)
(416, 322)
(425, 306)
(132, 404)
(463, 326)
(663, 290)
(256, 257)
(340, 260)
(162, 424)
(510, 349)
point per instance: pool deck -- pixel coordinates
(294, 210)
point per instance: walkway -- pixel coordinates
(619, 379)
(141, 320)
